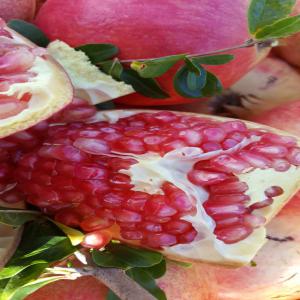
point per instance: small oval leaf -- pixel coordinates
(214, 60)
(30, 31)
(157, 271)
(99, 52)
(213, 86)
(108, 260)
(18, 217)
(156, 67)
(112, 67)
(148, 87)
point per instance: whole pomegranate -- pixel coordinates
(149, 29)
(17, 9)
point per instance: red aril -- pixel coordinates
(149, 29)
(32, 85)
(179, 199)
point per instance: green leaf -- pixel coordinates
(75, 236)
(113, 68)
(107, 259)
(112, 296)
(181, 263)
(135, 257)
(31, 287)
(214, 60)
(148, 87)
(107, 105)
(213, 86)
(156, 67)
(280, 29)
(22, 278)
(192, 66)
(30, 31)
(157, 271)
(147, 282)
(18, 217)
(265, 12)
(188, 84)
(99, 52)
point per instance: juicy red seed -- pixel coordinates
(90, 172)
(234, 187)
(276, 151)
(131, 145)
(131, 235)
(128, 226)
(229, 198)
(187, 237)
(254, 221)
(68, 218)
(64, 153)
(255, 160)
(214, 134)
(151, 227)
(229, 143)
(214, 209)
(124, 215)
(261, 204)
(105, 214)
(192, 137)
(157, 207)
(177, 227)
(203, 178)
(238, 136)
(159, 220)
(97, 239)
(117, 164)
(92, 146)
(137, 201)
(164, 116)
(85, 210)
(280, 165)
(232, 126)
(158, 240)
(95, 223)
(111, 200)
(72, 196)
(180, 201)
(12, 196)
(272, 138)
(78, 113)
(121, 181)
(41, 178)
(154, 140)
(175, 144)
(208, 147)
(92, 186)
(235, 220)
(274, 191)
(62, 182)
(233, 234)
(294, 156)
(231, 164)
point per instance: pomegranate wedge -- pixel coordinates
(193, 186)
(32, 85)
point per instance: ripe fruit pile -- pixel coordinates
(160, 179)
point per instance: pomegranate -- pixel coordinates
(32, 85)
(180, 183)
(271, 83)
(148, 29)
(17, 9)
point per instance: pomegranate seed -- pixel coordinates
(276, 151)
(229, 198)
(87, 172)
(272, 138)
(157, 207)
(214, 134)
(132, 145)
(97, 239)
(137, 201)
(177, 227)
(187, 237)
(254, 221)
(280, 165)
(112, 200)
(261, 204)
(274, 191)
(95, 223)
(231, 164)
(215, 209)
(92, 146)
(229, 143)
(12, 196)
(131, 235)
(121, 181)
(231, 221)
(180, 201)
(68, 218)
(255, 160)
(78, 113)
(209, 147)
(203, 178)
(233, 234)
(191, 137)
(234, 187)
(10, 107)
(232, 126)
(294, 156)
(158, 240)
(124, 215)
(151, 227)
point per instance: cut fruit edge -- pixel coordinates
(51, 85)
(210, 249)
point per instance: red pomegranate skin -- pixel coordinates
(17, 9)
(149, 29)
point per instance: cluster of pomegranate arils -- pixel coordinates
(15, 62)
(74, 171)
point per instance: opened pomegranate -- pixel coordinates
(149, 29)
(195, 187)
(32, 85)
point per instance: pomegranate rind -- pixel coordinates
(9, 236)
(210, 249)
(51, 90)
(89, 82)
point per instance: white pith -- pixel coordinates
(89, 82)
(51, 90)
(152, 170)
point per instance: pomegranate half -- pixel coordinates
(32, 85)
(192, 186)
